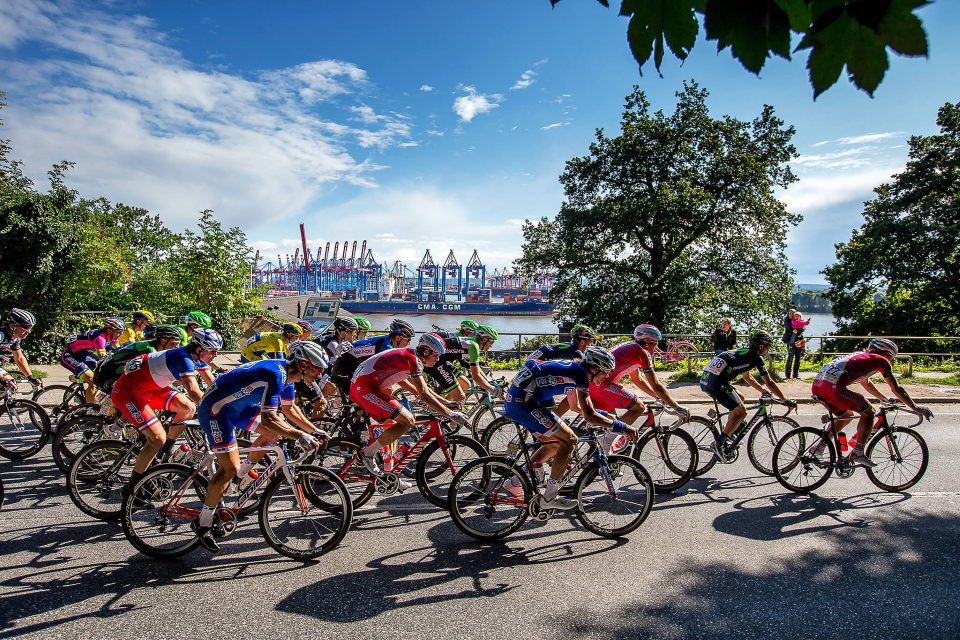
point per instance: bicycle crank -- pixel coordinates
(537, 512)
(387, 483)
(224, 522)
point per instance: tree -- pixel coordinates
(838, 33)
(673, 222)
(899, 274)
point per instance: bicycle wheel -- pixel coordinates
(704, 433)
(901, 459)
(803, 459)
(616, 500)
(24, 428)
(499, 435)
(98, 476)
(482, 419)
(74, 435)
(56, 399)
(679, 352)
(488, 498)
(163, 529)
(764, 437)
(297, 527)
(336, 456)
(434, 474)
(670, 458)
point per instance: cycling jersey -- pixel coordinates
(109, 369)
(94, 340)
(130, 335)
(562, 351)
(724, 367)
(332, 345)
(630, 357)
(266, 345)
(832, 380)
(537, 382)
(370, 387)
(354, 353)
(146, 384)
(458, 351)
(238, 397)
(7, 341)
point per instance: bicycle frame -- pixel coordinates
(434, 431)
(745, 426)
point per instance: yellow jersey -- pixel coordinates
(266, 345)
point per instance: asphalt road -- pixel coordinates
(729, 555)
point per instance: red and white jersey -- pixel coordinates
(630, 357)
(854, 368)
(158, 370)
(389, 367)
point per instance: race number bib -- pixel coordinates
(716, 366)
(134, 365)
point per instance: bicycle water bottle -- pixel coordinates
(843, 441)
(401, 451)
(180, 454)
(853, 442)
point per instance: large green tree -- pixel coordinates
(673, 222)
(899, 274)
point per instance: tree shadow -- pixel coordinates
(31, 484)
(895, 575)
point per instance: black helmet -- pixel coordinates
(149, 330)
(165, 332)
(21, 317)
(582, 332)
(345, 324)
(402, 328)
(761, 338)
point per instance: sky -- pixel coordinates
(413, 125)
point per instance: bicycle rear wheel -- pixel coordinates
(300, 528)
(704, 433)
(616, 500)
(56, 399)
(901, 458)
(98, 476)
(73, 436)
(670, 458)
(763, 439)
(803, 459)
(488, 498)
(24, 428)
(162, 529)
(499, 435)
(335, 456)
(482, 419)
(434, 475)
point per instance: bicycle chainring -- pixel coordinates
(224, 522)
(537, 512)
(844, 470)
(387, 483)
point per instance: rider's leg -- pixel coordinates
(155, 436)
(867, 416)
(183, 409)
(89, 391)
(392, 431)
(227, 466)
(566, 441)
(734, 419)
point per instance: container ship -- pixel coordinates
(479, 302)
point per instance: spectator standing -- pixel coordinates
(796, 347)
(724, 337)
(788, 326)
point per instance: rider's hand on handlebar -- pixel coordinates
(791, 403)
(925, 412)
(458, 417)
(452, 404)
(36, 382)
(307, 442)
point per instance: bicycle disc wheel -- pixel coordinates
(24, 428)
(614, 504)
(499, 435)
(297, 527)
(670, 458)
(704, 434)
(162, 530)
(488, 498)
(804, 459)
(98, 476)
(434, 475)
(335, 456)
(56, 399)
(74, 435)
(763, 438)
(901, 458)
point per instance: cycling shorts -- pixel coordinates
(722, 392)
(610, 395)
(444, 376)
(838, 399)
(222, 430)
(138, 406)
(79, 361)
(378, 403)
(533, 416)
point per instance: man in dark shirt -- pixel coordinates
(724, 337)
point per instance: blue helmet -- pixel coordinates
(207, 339)
(433, 342)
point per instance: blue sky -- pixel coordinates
(412, 125)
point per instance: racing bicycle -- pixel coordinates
(24, 425)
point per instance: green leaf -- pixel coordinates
(831, 47)
(652, 21)
(680, 27)
(902, 31)
(868, 62)
(752, 29)
(798, 13)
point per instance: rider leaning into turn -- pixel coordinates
(84, 350)
(16, 326)
(135, 330)
(268, 345)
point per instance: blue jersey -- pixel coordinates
(538, 381)
(254, 384)
(562, 351)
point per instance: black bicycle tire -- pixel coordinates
(587, 476)
(686, 475)
(71, 392)
(44, 428)
(814, 436)
(503, 422)
(62, 455)
(73, 479)
(454, 507)
(706, 459)
(421, 475)
(758, 430)
(185, 472)
(924, 450)
(475, 429)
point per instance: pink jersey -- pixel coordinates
(389, 367)
(93, 340)
(630, 357)
(854, 368)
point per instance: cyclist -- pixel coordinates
(146, 385)
(84, 350)
(307, 329)
(16, 326)
(363, 327)
(581, 337)
(466, 329)
(537, 383)
(715, 382)
(342, 331)
(195, 320)
(110, 368)
(269, 345)
(459, 351)
(370, 389)
(831, 386)
(632, 358)
(252, 392)
(400, 334)
(134, 330)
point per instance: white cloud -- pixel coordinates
(434, 132)
(552, 126)
(541, 62)
(820, 191)
(471, 104)
(864, 139)
(426, 87)
(412, 143)
(526, 79)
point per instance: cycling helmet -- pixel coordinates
(150, 330)
(582, 332)
(143, 315)
(761, 338)
(306, 326)
(362, 324)
(884, 346)
(114, 323)
(433, 342)
(166, 332)
(207, 339)
(486, 331)
(309, 352)
(599, 357)
(469, 325)
(402, 328)
(198, 318)
(345, 324)
(647, 333)
(292, 329)
(21, 318)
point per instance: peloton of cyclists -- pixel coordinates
(399, 335)
(462, 352)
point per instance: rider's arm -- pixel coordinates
(275, 422)
(21, 361)
(429, 398)
(770, 384)
(592, 417)
(293, 413)
(753, 383)
(642, 384)
(192, 388)
(659, 390)
(901, 393)
(571, 399)
(869, 386)
(206, 373)
(409, 386)
(479, 378)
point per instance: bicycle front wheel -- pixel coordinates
(24, 428)
(803, 459)
(670, 458)
(157, 524)
(763, 438)
(74, 435)
(98, 476)
(304, 529)
(704, 434)
(56, 399)
(901, 457)
(488, 498)
(500, 438)
(615, 500)
(434, 474)
(482, 419)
